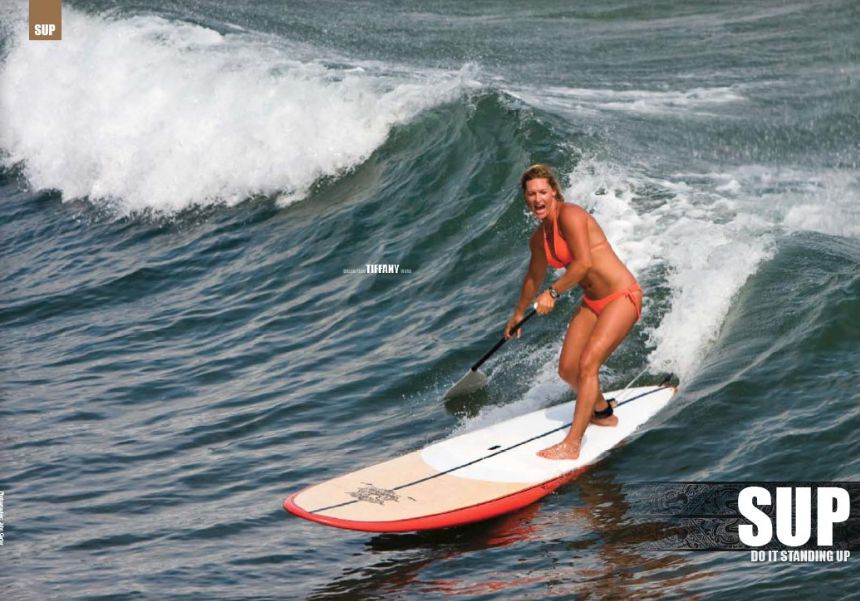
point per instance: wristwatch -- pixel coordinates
(553, 293)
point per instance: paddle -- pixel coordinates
(475, 379)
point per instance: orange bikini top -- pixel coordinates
(560, 255)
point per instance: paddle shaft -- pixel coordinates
(498, 345)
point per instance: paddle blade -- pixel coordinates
(472, 381)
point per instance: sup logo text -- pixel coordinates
(793, 512)
(44, 29)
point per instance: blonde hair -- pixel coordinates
(541, 171)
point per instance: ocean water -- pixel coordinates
(188, 190)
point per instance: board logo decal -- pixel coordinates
(374, 494)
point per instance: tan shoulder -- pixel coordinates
(573, 212)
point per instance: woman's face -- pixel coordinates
(540, 197)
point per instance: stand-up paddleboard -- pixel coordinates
(472, 477)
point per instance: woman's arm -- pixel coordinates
(534, 278)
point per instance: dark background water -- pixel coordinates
(186, 191)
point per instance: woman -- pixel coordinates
(571, 238)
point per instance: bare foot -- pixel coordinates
(610, 421)
(564, 450)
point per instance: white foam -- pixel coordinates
(155, 114)
(821, 200)
(708, 264)
(795, 199)
(653, 102)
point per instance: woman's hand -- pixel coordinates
(511, 323)
(545, 303)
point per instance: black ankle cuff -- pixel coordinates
(604, 413)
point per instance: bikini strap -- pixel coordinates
(551, 247)
(630, 295)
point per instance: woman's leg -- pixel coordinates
(578, 333)
(613, 325)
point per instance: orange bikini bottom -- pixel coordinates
(598, 305)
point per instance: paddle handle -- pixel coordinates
(498, 345)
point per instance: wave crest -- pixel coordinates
(154, 114)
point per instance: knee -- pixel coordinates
(589, 364)
(568, 373)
